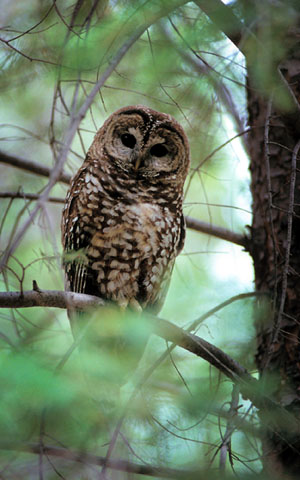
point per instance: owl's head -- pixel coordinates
(145, 144)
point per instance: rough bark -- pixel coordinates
(274, 147)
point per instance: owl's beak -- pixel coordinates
(136, 158)
(137, 163)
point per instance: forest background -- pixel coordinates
(229, 73)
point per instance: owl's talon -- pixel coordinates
(123, 304)
(134, 304)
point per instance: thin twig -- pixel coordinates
(112, 443)
(115, 464)
(270, 196)
(211, 154)
(31, 59)
(241, 296)
(76, 118)
(203, 60)
(30, 196)
(273, 237)
(232, 413)
(285, 271)
(173, 100)
(29, 30)
(29, 166)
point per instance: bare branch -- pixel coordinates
(201, 348)
(218, 232)
(47, 298)
(30, 196)
(278, 417)
(163, 328)
(115, 464)
(192, 223)
(29, 166)
(31, 59)
(76, 118)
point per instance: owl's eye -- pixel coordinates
(159, 150)
(128, 140)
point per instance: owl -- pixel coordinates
(122, 224)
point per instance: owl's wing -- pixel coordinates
(164, 286)
(77, 272)
(75, 243)
(182, 235)
(76, 239)
(157, 305)
(74, 261)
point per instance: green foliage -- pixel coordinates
(73, 395)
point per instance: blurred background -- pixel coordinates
(52, 56)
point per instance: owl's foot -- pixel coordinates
(132, 303)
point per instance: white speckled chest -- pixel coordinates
(128, 247)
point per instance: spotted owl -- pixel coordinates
(122, 224)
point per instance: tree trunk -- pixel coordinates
(273, 146)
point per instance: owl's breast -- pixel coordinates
(132, 248)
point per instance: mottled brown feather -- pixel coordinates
(122, 225)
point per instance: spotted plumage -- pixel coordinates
(122, 224)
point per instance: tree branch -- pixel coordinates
(163, 328)
(250, 387)
(192, 223)
(218, 232)
(32, 167)
(30, 196)
(115, 464)
(48, 298)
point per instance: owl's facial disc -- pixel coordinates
(143, 158)
(147, 144)
(150, 154)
